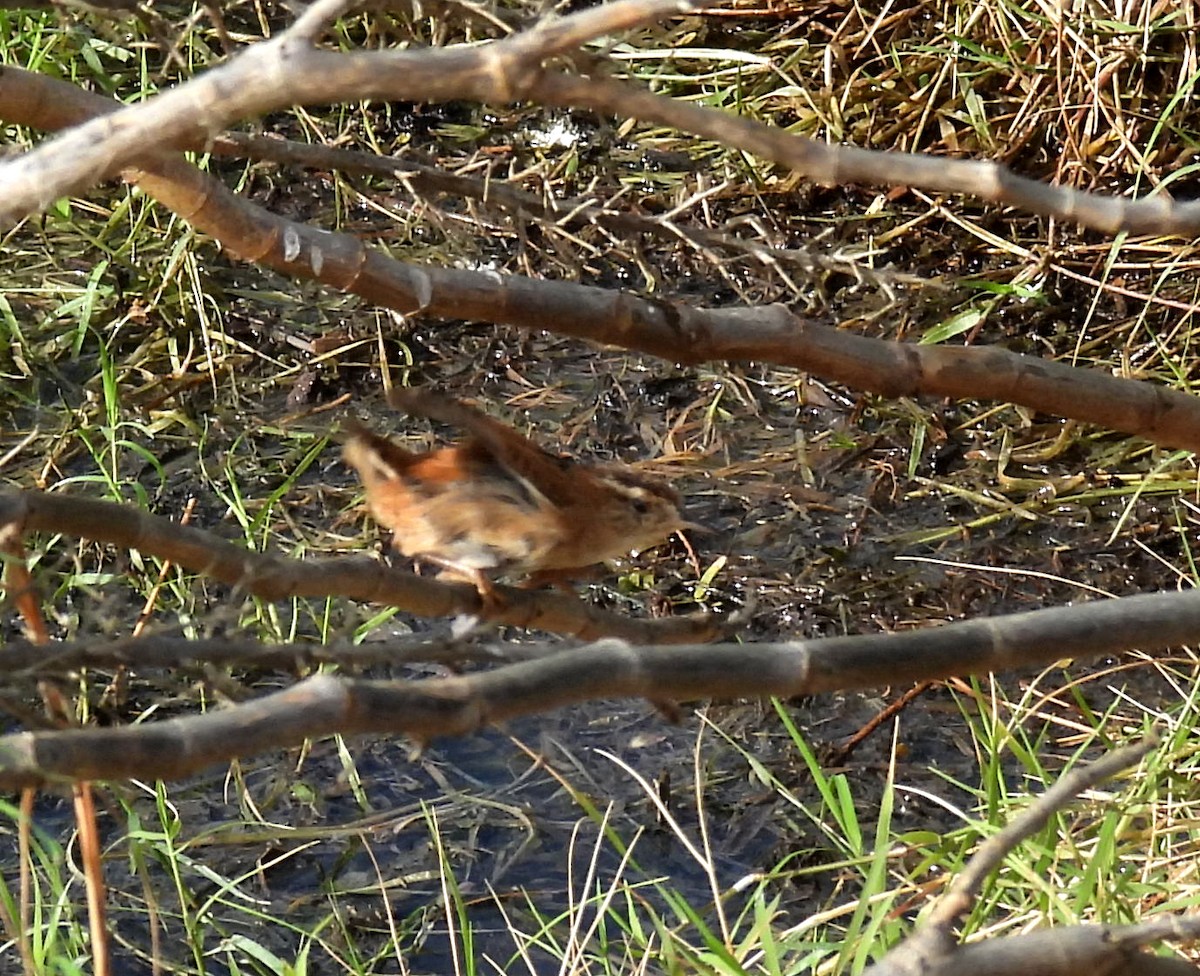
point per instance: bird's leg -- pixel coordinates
(491, 603)
(561, 579)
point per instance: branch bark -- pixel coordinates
(458, 705)
(671, 330)
(274, 577)
(287, 70)
(932, 951)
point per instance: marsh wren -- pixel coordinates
(497, 504)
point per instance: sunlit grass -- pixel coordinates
(1115, 851)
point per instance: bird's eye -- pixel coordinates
(640, 506)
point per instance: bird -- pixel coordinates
(496, 504)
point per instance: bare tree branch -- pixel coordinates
(607, 669)
(837, 165)
(672, 330)
(27, 661)
(287, 70)
(1100, 950)
(274, 577)
(932, 951)
(422, 176)
(1149, 621)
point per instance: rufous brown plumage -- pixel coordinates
(497, 504)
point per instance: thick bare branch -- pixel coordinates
(837, 165)
(608, 669)
(287, 70)
(274, 577)
(1100, 950)
(676, 331)
(672, 330)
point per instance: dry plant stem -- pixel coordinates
(275, 578)
(673, 331)
(58, 711)
(324, 705)
(841, 752)
(25, 855)
(93, 872)
(18, 584)
(18, 587)
(148, 607)
(287, 70)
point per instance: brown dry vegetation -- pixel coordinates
(141, 364)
